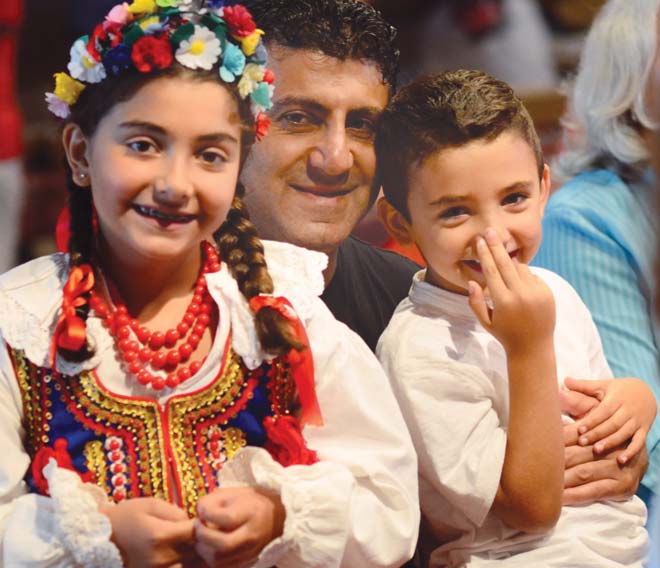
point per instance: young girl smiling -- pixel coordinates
(159, 405)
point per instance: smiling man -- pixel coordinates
(312, 178)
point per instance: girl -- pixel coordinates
(158, 404)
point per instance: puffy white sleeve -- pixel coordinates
(357, 506)
(451, 411)
(63, 530)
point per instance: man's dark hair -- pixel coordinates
(343, 29)
(441, 111)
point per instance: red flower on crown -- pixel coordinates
(151, 52)
(261, 125)
(239, 20)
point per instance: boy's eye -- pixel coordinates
(142, 146)
(453, 212)
(514, 199)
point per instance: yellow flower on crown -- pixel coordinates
(142, 7)
(253, 74)
(146, 22)
(67, 89)
(249, 43)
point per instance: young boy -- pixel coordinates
(473, 352)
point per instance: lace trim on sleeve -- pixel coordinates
(316, 499)
(81, 528)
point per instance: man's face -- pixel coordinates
(310, 180)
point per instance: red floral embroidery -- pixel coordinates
(239, 20)
(286, 443)
(151, 52)
(61, 455)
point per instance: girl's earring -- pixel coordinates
(82, 177)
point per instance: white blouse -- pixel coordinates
(357, 506)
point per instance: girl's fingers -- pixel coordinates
(491, 273)
(618, 437)
(634, 447)
(226, 548)
(506, 267)
(478, 304)
(613, 421)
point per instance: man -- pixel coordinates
(312, 178)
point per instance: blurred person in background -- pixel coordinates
(11, 177)
(599, 226)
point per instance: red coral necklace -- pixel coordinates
(146, 349)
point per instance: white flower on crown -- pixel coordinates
(82, 66)
(201, 50)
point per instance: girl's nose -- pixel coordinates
(175, 186)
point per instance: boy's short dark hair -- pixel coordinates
(343, 29)
(447, 110)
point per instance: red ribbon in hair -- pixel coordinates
(70, 329)
(300, 362)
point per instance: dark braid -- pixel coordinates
(82, 245)
(243, 252)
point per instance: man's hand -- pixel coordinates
(589, 477)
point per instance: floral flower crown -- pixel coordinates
(148, 34)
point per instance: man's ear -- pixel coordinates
(545, 186)
(76, 147)
(395, 223)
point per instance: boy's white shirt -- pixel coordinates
(449, 375)
(356, 507)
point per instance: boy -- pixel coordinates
(473, 352)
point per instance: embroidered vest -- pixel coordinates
(133, 447)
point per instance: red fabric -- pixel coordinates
(70, 331)
(286, 443)
(10, 117)
(300, 362)
(11, 12)
(61, 454)
(411, 252)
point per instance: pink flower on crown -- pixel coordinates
(119, 15)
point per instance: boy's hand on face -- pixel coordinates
(522, 316)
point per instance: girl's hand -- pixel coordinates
(523, 307)
(235, 524)
(151, 532)
(625, 412)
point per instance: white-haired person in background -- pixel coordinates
(600, 226)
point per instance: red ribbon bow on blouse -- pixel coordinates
(70, 329)
(300, 362)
